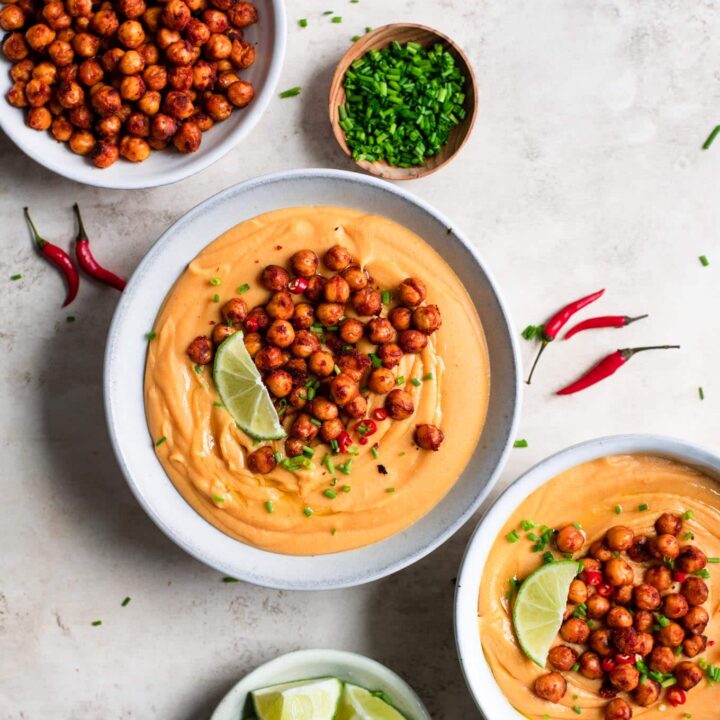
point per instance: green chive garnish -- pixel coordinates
(95, 623)
(643, 507)
(346, 488)
(520, 444)
(215, 281)
(197, 368)
(427, 377)
(150, 335)
(242, 289)
(125, 602)
(714, 560)
(512, 536)
(219, 499)
(302, 22)
(618, 509)
(159, 442)
(337, 19)
(390, 490)
(702, 573)
(290, 93)
(701, 393)
(16, 277)
(687, 536)
(216, 298)
(230, 580)
(330, 493)
(576, 709)
(711, 137)
(400, 380)
(374, 452)
(575, 667)
(688, 515)
(308, 451)
(704, 261)
(375, 359)
(269, 506)
(415, 382)
(70, 319)
(308, 511)
(355, 38)
(527, 525)
(386, 297)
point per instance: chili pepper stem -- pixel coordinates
(36, 236)
(82, 235)
(545, 343)
(634, 319)
(627, 353)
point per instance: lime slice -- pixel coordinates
(242, 391)
(303, 700)
(357, 703)
(539, 607)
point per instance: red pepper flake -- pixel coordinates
(379, 414)
(298, 286)
(676, 696)
(593, 577)
(363, 441)
(679, 576)
(278, 247)
(251, 325)
(608, 664)
(605, 590)
(344, 441)
(624, 659)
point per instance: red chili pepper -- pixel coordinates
(251, 325)
(58, 257)
(363, 441)
(605, 590)
(624, 659)
(676, 696)
(370, 427)
(604, 321)
(556, 323)
(344, 441)
(298, 285)
(593, 577)
(608, 664)
(379, 414)
(679, 576)
(608, 366)
(87, 261)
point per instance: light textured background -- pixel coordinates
(584, 171)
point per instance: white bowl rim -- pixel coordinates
(262, 675)
(485, 690)
(409, 558)
(203, 159)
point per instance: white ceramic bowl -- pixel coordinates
(305, 664)
(125, 361)
(479, 677)
(162, 168)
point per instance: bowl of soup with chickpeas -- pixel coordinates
(637, 635)
(366, 354)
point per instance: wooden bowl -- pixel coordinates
(404, 33)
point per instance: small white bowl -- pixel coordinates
(483, 686)
(125, 364)
(161, 168)
(306, 664)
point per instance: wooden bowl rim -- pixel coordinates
(377, 168)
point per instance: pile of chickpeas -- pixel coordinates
(329, 339)
(119, 79)
(628, 635)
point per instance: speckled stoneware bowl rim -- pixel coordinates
(125, 360)
(161, 168)
(482, 684)
(305, 664)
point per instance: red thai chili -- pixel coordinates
(679, 577)
(365, 427)
(556, 323)
(298, 285)
(344, 441)
(379, 414)
(60, 259)
(604, 321)
(608, 664)
(676, 696)
(252, 325)
(608, 366)
(87, 261)
(605, 590)
(593, 577)
(624, 659)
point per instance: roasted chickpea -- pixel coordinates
(200, 350)
(390, 354)
(401, 318)
(694, 645)
(688, 675)
(46, 72)
(61, 129)
(638, 551)
(597, 606)
(138, 125)
(550, 687)
(619, 538)
(668, 524)
(105, 23)
(412, 341)
(694, 590)
(38, 118)
(336, 290)
(278, 382)
(104, 154)
(662, 660)
(149, 104)
(24, 70)
(196, 6)
(618, 572)
(324, 409)
(354, 364)
(429, 437)
(646, 597)
(351, 330)
(331, 429)
(570, 539)
(242, 14)
(275, 278)
(204, 75)
(321, 363)
(305, 344)
(269, 358)
(659, 577)
(304, 263)
(646, 643)
(242, 56)
(622, 595)
(132, 88)
(356, 408)
(197, 33)
(222, 332)
(626, 640)
(110, 60)
(337, 258)
(315, 283)
(427, 319)
(367, 302)
(600, 641)
(178, 104)
(600, 551)
(343, 389)
(280, 333)
(379, 331)
(131, 63)
(82, 142)
(618, 709)
(297, 399)
(39, 36)
(109, 127)
(356, 277)
(16, 95)
(155, 77)
(176, 15)
(234, 311)
(90, 72)
(281, 306)
(15, 47)
(253, 343)
(329, 314)
(294, 447)
(691, 559)
(671, 635)
(55, 16)
(412, 292)
(134, 149)
(216, 20)
(562, 657)
(163, 127)
(381, 381)
(131, 34)
(696, 620)
(37, 92)
(643, 620)
(217, 47)
(399, 404)
(646, 693)
(619, 617)
(262, 460)
(203, 121)
(674, 606)
(11, 18)
(304, 428)
(86, 45)
(131, 8)
(218, 107)
(663, 546)
(106, 101)
(590, 665)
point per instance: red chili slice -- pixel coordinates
(251, 325)
(593, 577)
(298, 286)
(363, 441)
(624, 659)
(379, 414)
(365, 427)
(676, 696)
(679, 576)
(605, 590)
(344, 441)
(608, 664)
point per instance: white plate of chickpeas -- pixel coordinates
(136, 93)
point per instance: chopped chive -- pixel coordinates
(662, 620)
(150, 335)
(368, 29)
(688, 515)
(159, 442)
(520, 444)
(548, 557)
(308, 511)
(713, 560)
(308, 451)
(337, 19)
(704, 261)
(390, 490)
(70, 319)
(618, 509)
(527, 525)
(400, 380)
(576, 709)
(197, 368)
(687, 536)
(330, 493)
(701, 393)
(16, 277)
(668, 682)
(219, 499)
(703, 573)
(328, 12)
(336, 369)
(125, 602)
(333, 531)
(374, 452)
(230, 580)
(355, 38)
(346, 488)
(711, 137)
(415, 382)
(278, 456)
(512, 536)
(218, 404)
(215, 281)
(290, 93)
(575, 667)
(330, 465)
(242, 289)
(532, 536)
(375, 359)
(216, 298)
(302, 22)
(95, 623)
(316, 422)
(386, 297)
(269, 506)
(427, 377)
(643, 507)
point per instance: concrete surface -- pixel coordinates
(584, 171)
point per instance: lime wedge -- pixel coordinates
(242, 391)
(539, 607)
(357, 703)
(303, 700)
